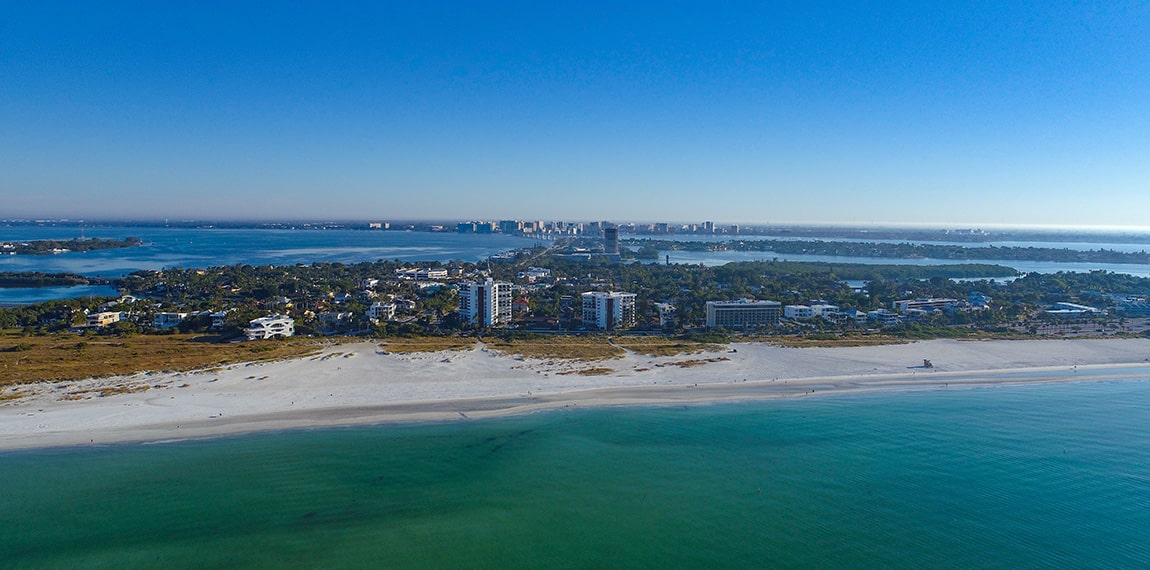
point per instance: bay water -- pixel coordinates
(207, 247)
(1022, 476)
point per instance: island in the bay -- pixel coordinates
(51, 246)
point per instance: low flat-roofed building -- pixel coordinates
(534, 273)
(1073, 311)
(422, 273)
(1134, 305)
(924, 304)
(743, 313)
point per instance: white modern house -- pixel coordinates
(103, 318)
(485, 303)
(608, 310)
(275, 326)
(828, 312)
(885, 317)
(381, 311)
(666, 313)
(167, 320)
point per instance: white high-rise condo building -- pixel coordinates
(485, 303)
(608, 311)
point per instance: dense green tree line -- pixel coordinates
(46, 246)
(252, 291)
(39, 279)
(905, 250)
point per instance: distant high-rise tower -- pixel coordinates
(611, 240)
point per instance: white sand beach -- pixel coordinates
(362, 384)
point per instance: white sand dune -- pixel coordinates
(359, 383)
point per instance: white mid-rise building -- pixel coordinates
(798, 312)
(608, 310)
(485, 303)
(275, 326)
(666, 313)
(743, 313)
(829, 312)
(381, 311)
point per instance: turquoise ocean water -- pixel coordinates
(1038, 476)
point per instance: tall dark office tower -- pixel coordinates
(611, 240)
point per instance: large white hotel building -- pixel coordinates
(743, 314)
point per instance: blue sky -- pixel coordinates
(974, 113)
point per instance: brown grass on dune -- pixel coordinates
(25, 359)
(427, 344)
(655, 346)
(848, 340)
(597, 371)
(564, 348)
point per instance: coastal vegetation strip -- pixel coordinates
(13, 280)
(591, 348)
(661, 346)
(560, 348)
(64, 357)
(904, 250)
(49, 246)
(401, 345)
(834, 340)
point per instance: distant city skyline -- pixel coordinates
(974, 114)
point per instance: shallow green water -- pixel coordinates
(1006, 477)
